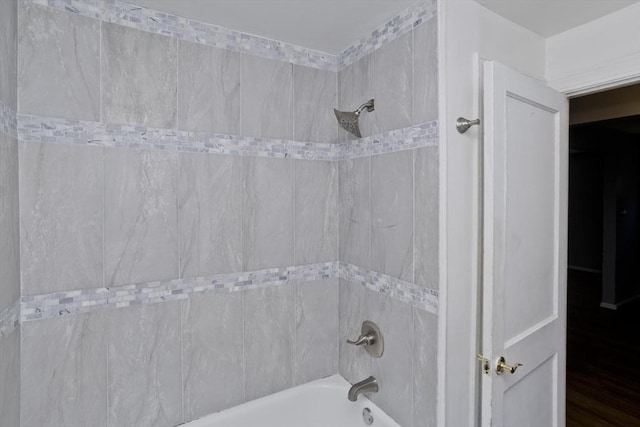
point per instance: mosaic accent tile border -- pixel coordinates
(64, 131)
(129, 15)
(87, 300)
(59, 304)
(418, 296)
(423, 135)
(9, 319)
(395, 27)
(8, 120)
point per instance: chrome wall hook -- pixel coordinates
(463, 124)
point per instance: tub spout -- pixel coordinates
(370, 385)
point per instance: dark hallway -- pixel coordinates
(603, 357)
(603, 344)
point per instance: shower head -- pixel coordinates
(348, 120)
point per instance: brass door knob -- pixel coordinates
(502, 366)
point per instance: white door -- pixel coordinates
(524, 249)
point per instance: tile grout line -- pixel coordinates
(413, 366)
(107, 341)
(18, 302)
(294, 349)
(179, 168)
(182, 378)
(244, 359)
(104, 213)
(104, 166)
(294, 340)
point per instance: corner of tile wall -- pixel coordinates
(10, 357)
(10, 337)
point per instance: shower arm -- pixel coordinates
(368, 105)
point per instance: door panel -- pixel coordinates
(523, 409)
(529, 259)
(524, 249)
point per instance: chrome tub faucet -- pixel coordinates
(370, 385)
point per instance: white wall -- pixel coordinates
(467, 29)
(597, 55)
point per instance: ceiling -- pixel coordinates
(551, 17)
(332, 25)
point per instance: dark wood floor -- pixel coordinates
(603, 358)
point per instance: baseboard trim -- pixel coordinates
(608, 306)
(617, 305)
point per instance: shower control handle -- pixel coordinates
(363, 340)
(370, 338)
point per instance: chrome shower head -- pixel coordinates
(348, 120)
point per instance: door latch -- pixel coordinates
(486, 364)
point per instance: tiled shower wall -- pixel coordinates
(95, 216)
(389, 223)
(9, 220)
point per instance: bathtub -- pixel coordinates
(320, 403)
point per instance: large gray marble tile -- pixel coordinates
(141, 224)
(354, 204)
(392, 214)
(269, 318)
(9, 52)
(425, 71)
(267, 98)
(64, 372)
(427, 231)
(210, 214)
(392, 84)
(9, 222)
(316, 211)
(355, 363)
(315, 97)
(144, 362)
(59, 64)
(354, 89)
(316, 330)
(139, 77)
(61, 211)
(208, 89)
(213, 370)
(425, 369)
(394, 369)
(267, 224)
(10, 380)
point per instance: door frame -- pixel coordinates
(460, 204)
(589, 88)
